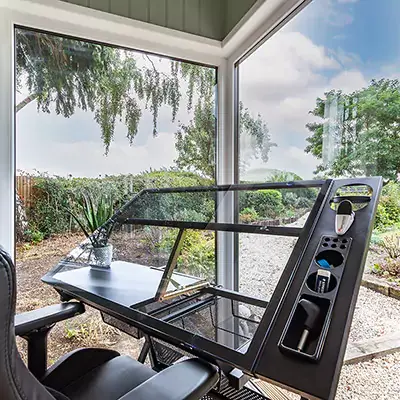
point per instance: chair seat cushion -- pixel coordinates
(109, 381)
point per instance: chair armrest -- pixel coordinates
(188, 380)
(32, 320)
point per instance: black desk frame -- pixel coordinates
(259, 350)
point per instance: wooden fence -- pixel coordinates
(24, 186)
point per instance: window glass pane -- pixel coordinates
(94, 126)
(321, 99)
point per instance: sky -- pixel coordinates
(331, 44)
(340, 44)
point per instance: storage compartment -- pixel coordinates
(312, 283)
(122, 326)
(329, 262)
(333, 257)
(298, 324)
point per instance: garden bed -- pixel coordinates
(86, 330)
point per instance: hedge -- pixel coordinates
(53, 195)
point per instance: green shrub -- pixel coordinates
(388, 211)
(197, 256)
(382, 219)
(34, 236)
(391, 244)
(388, 268)
(54, 195)
(289, 199)
(267, 203)
(248, 215)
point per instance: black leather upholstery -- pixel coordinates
(110, 380)
(188, 380)
(29, 321)
(68, 368)
(16, 382)
(86, 374)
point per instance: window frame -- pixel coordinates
(87, 24)
(237, 59)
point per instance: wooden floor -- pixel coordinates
(270, 391)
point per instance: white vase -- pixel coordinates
(102, 256)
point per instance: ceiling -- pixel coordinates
(212, 19)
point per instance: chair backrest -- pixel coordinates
(16, 382)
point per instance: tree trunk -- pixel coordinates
(25, 102)
(21, 221)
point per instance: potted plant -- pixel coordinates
(95, 228)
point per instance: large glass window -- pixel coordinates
(321, 98)
(96, 124)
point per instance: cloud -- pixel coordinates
(86, 158)
(347, 1)
(349, 81)
(291, 159)
(389, 71)
(282, 81)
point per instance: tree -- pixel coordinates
(360, 134)
(71, 74)
(195, 142)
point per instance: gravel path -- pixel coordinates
(261, 262)
(375, 315)
(262, 259)
(378, 379)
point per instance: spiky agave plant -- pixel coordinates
(94, 219)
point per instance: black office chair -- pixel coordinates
(84, 374)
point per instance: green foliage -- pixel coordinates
(388, 211)
(33, 236)
(296, 200)
(197, 256)
(284, 176)
(266, 203)
(195, 142)
(391, 244)
(368, 132)
(55, 197)
(96, 214)
(255, 140)
(248, 215)
(93, 214)
(71, 74)
(71, 333)
(390, 267)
